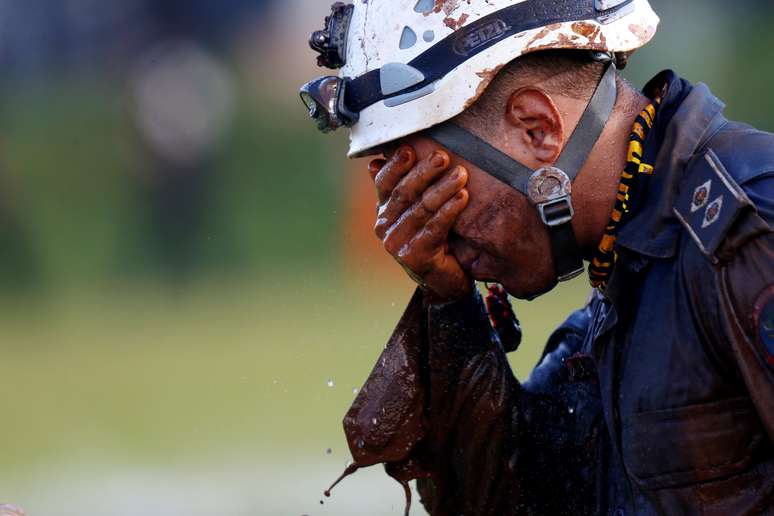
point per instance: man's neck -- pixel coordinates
(595, 189)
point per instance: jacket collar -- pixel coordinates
(653, 231)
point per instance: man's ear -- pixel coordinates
(539, 125)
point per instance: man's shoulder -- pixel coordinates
(746, 152)
(726, 197)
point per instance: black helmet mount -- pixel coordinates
(331, 42)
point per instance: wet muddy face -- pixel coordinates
(499, 237)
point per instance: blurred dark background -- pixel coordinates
(189, 291)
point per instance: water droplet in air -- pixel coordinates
(374, 421)
(355, 390)
(330, 383)
(571, 410)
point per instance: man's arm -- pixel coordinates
(480, 444)
(747, 321)
(442, 403)
(473, 415)
(733, 300)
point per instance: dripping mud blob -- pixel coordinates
(353, 468)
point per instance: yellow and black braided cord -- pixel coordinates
(605, 256)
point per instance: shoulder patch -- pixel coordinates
(709, 203)
(763, 316)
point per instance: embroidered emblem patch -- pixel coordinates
(712, 214)
(709, 203)
(701, 196)
(764, 322)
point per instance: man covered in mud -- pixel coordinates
(512, 151)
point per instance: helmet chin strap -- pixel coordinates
(549, 188)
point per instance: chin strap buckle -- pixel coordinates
(550, 190)
(557, 211)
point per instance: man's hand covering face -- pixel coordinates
(418, 204)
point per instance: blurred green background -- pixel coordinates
(189, 292)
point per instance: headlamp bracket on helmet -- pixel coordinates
(331, 42)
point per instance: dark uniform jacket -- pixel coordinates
(656, 398)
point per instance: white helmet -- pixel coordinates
(407, 65)
(413, 65)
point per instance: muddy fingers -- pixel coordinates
(419, 200)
